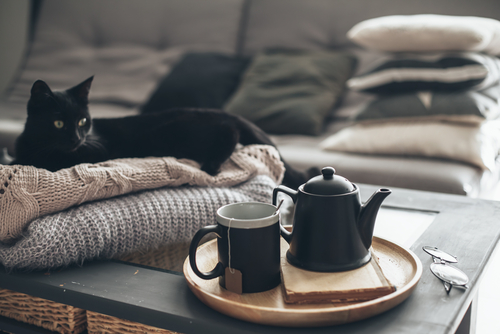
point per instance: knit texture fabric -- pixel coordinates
(27, 193)
(120, 225)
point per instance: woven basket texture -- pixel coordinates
(105, 324)
(44, 313)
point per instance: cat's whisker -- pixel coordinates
(94, 144)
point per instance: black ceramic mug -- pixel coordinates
(248, 246)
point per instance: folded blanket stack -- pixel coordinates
(437, 87)
(45, 225)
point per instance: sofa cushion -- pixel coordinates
(437, 72)
(199, 80)
(427, 33)
(291, 92)
(428, 174)
(128, 45)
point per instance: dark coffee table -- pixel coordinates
(468, 228)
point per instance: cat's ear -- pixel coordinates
(40, 89)
(81, 91)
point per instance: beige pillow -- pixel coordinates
(427, 33)
(477, 145)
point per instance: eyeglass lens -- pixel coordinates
(445, 272)
(449, 274)
(437, 253)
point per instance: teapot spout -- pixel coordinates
(368, 214)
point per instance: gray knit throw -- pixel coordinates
(120, 225)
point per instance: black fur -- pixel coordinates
(206, 136)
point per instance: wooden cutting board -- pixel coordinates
(303, 286)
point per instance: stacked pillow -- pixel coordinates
(437, 93)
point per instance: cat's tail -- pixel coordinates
(252, 134)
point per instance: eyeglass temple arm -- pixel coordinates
(448, 286)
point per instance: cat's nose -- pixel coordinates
(75, 139)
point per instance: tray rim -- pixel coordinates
(378, 305)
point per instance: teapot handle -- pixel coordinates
(293, 195)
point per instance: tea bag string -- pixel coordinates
(229, 245)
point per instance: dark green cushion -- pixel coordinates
(469, 105)
(291, 92)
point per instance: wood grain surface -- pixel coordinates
(361, 284)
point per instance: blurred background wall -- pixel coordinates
(14, 18)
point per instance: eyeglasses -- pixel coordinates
(450, 275)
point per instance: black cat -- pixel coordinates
(60, 133)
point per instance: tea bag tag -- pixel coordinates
(234, 280)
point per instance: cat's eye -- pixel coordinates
(82, 122)
(58, 124)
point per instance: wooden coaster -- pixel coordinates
(361, 284)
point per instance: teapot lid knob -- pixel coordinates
(328, 172)
(328, 183)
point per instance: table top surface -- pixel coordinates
(467, 228)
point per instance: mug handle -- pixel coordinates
(293, 195)
(219, 268)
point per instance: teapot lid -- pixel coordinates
(328, 183)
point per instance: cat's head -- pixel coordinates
(60, 118)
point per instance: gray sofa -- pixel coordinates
(131, 45)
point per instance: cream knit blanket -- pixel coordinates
(27, 192)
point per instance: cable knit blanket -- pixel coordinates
(187, 200)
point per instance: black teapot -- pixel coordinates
(332, 231)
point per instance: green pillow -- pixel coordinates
(291, 92)
(464, 107)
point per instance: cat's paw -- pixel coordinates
(5, 158)
(211, 167)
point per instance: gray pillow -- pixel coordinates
(465, 107)
(291, 92)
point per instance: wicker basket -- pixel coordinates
(105, 324)
(41, 312)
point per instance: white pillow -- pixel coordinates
(476, 145)
(428, 32)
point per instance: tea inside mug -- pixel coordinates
(247, 215)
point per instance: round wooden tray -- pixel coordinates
(401, 266)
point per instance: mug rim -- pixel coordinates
(247, 223)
